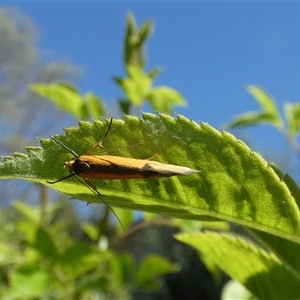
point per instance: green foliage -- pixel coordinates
(52, 264)
(261, 272)
(286, 251)
(164, 98)
(135, 40)
(235, 183)
(292, 114)
(269, 112)
(289, 125)
(67, 98)
(137, 85)
(148, 272)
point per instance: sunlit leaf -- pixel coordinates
(164, 98)
(268, 114)
(95, 106)
(135, 39)
(235, 184)
(64, 96)
(292, 114)
(260, 272)
(136, 86)
(29, 281)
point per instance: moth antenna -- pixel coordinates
(64, 146)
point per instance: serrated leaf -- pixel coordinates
(292, 114)
(235, 184)
(64, 96)
(262, 273)
(286, 250)
(269, 112)
(164, 98)
(289, 181)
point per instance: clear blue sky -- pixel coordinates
(209, 51)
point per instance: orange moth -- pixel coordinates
(116, 167)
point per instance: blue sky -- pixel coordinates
(209, 51)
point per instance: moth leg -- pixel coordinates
(89, 184)
(102, 139)
(93, 187)
(158, 153)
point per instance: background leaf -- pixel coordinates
(95, 106)
(163, 99)
(292, 114)
(136, 86)
(65, 96)
(269, 112)
(149, 270)
(260, 272)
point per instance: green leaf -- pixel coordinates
(264, 99)
(269, 112)
(79, 259)
(29, 281)
(91, 230)
(262, 273)
(235, 184)
(135, 40)
(250, 118)
(292, 114)
(31, 213)
(124, 106)
(44, 244)
(121, 268)
(154, 73)
(95, 106)
(289, 181)
(64, 96)
(164, 98)
(287, 251)
(150, 269)
(136, 86)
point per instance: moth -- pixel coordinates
(108, 167)
(115, 167)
